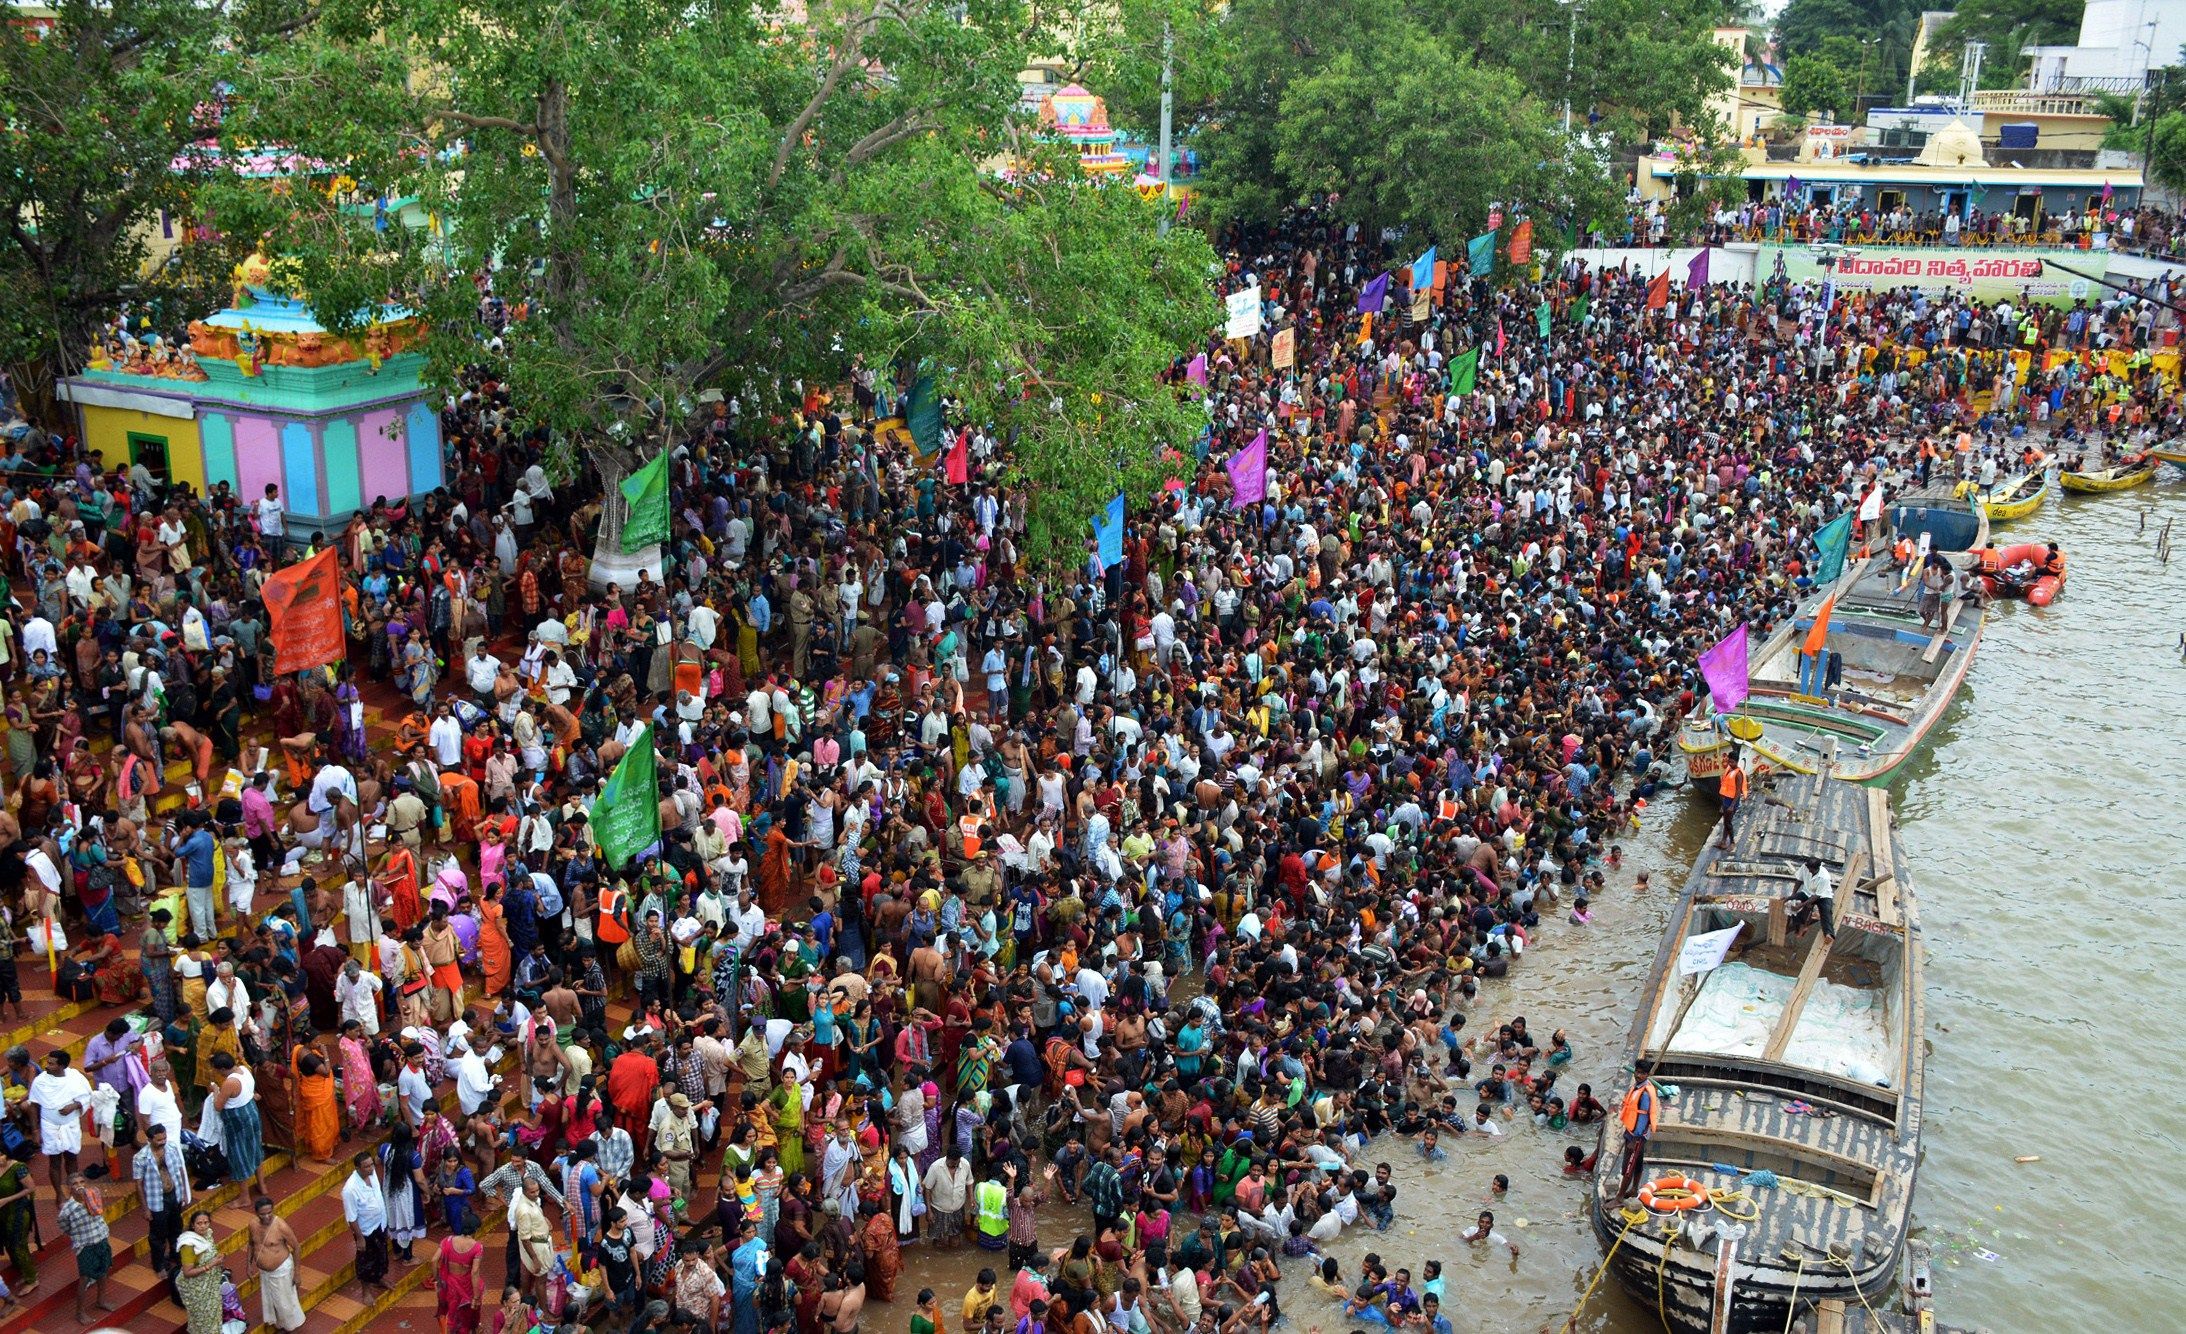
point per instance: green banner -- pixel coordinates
(1464, 372)
(626, 816)
(647, 492)
(922, 416)
(1980, 275)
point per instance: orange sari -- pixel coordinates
(318, 1116)
(493, 946)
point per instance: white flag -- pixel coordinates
(1871, 508)
(1705, 951)
(1244, 311)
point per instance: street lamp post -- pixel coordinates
(1571, 53)
(1168, 110)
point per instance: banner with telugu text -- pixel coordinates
(1981, 275)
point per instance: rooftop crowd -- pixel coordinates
(1161, 897)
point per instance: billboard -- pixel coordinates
(1982, 275)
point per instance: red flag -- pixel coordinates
(304, 607)
(958, 469)
(1521, 242)
(1658, 291)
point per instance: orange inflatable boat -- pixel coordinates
(2023, 570)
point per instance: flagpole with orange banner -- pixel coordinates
(1812, 648)
(304, 614)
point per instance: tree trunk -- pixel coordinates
(610, 563)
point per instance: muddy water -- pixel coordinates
(2043, 828)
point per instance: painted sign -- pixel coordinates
(1979, 275)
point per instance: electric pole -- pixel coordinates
(1168, 110)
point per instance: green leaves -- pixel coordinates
(680, 196)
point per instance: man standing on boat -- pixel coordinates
(1731, 790)
(1639, 1122)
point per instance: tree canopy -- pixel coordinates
(685, 194)
(1430, 116)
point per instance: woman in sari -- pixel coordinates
(198, 1283)
(493, 940)
(16, 1216)
(360, 1089)
(787, 1110)
(459, 1282)
(318, 1115)
(883, 1253)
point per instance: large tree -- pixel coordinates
(688, 194)
(1312, 99)
(103, 108)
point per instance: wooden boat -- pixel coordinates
(2120, 477)
(1879, 687)
(2017, 497)
(1799, 1055)
(2173, 454)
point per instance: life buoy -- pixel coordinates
(1673, 1194)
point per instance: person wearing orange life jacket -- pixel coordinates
(613, 927)
(1732, 790)
(1638, 1115)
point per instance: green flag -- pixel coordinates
(1464, 371)
(922, 414)
(1578, 309)
(1832, 542)
(1541, 317)
(626, 815)
(646, 490)
(1480, 253)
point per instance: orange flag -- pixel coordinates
(1818, 638)
(1521, 243)
(1658, 291)
(304, 606)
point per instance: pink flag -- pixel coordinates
(1248, 469)
(1499, 339)
(1724, 669)
(958, 467)
(1195, 370)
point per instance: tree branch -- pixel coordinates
(845, 61)
(488, 122)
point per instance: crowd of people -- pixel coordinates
(1806, 218)
(1104, 921)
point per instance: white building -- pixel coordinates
(2120, 41)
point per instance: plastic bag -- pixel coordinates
(38, 941)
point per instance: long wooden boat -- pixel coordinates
(2173, 454)
(1800, 1056)
(2121, 477)
(2016, 497)
(1880, 686)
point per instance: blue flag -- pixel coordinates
(1423, 271)
(1833, 541)
(1108, 533)
(1374, 296)
(1481, 252)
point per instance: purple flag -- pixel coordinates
(1195, 370)
(1374, 296)
(1248, 469)
(1791, 186)
(1724, 669)
(1696, 274)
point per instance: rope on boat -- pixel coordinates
(1854, 1279)
(1791, 1307)
(1670, 1230)
(1632, 1218)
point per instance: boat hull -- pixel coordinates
(1764, 1297)
(1706, 751)
(2014, 500)
(2109, 479)
(2175, 457)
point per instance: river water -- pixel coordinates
(2039, 823)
